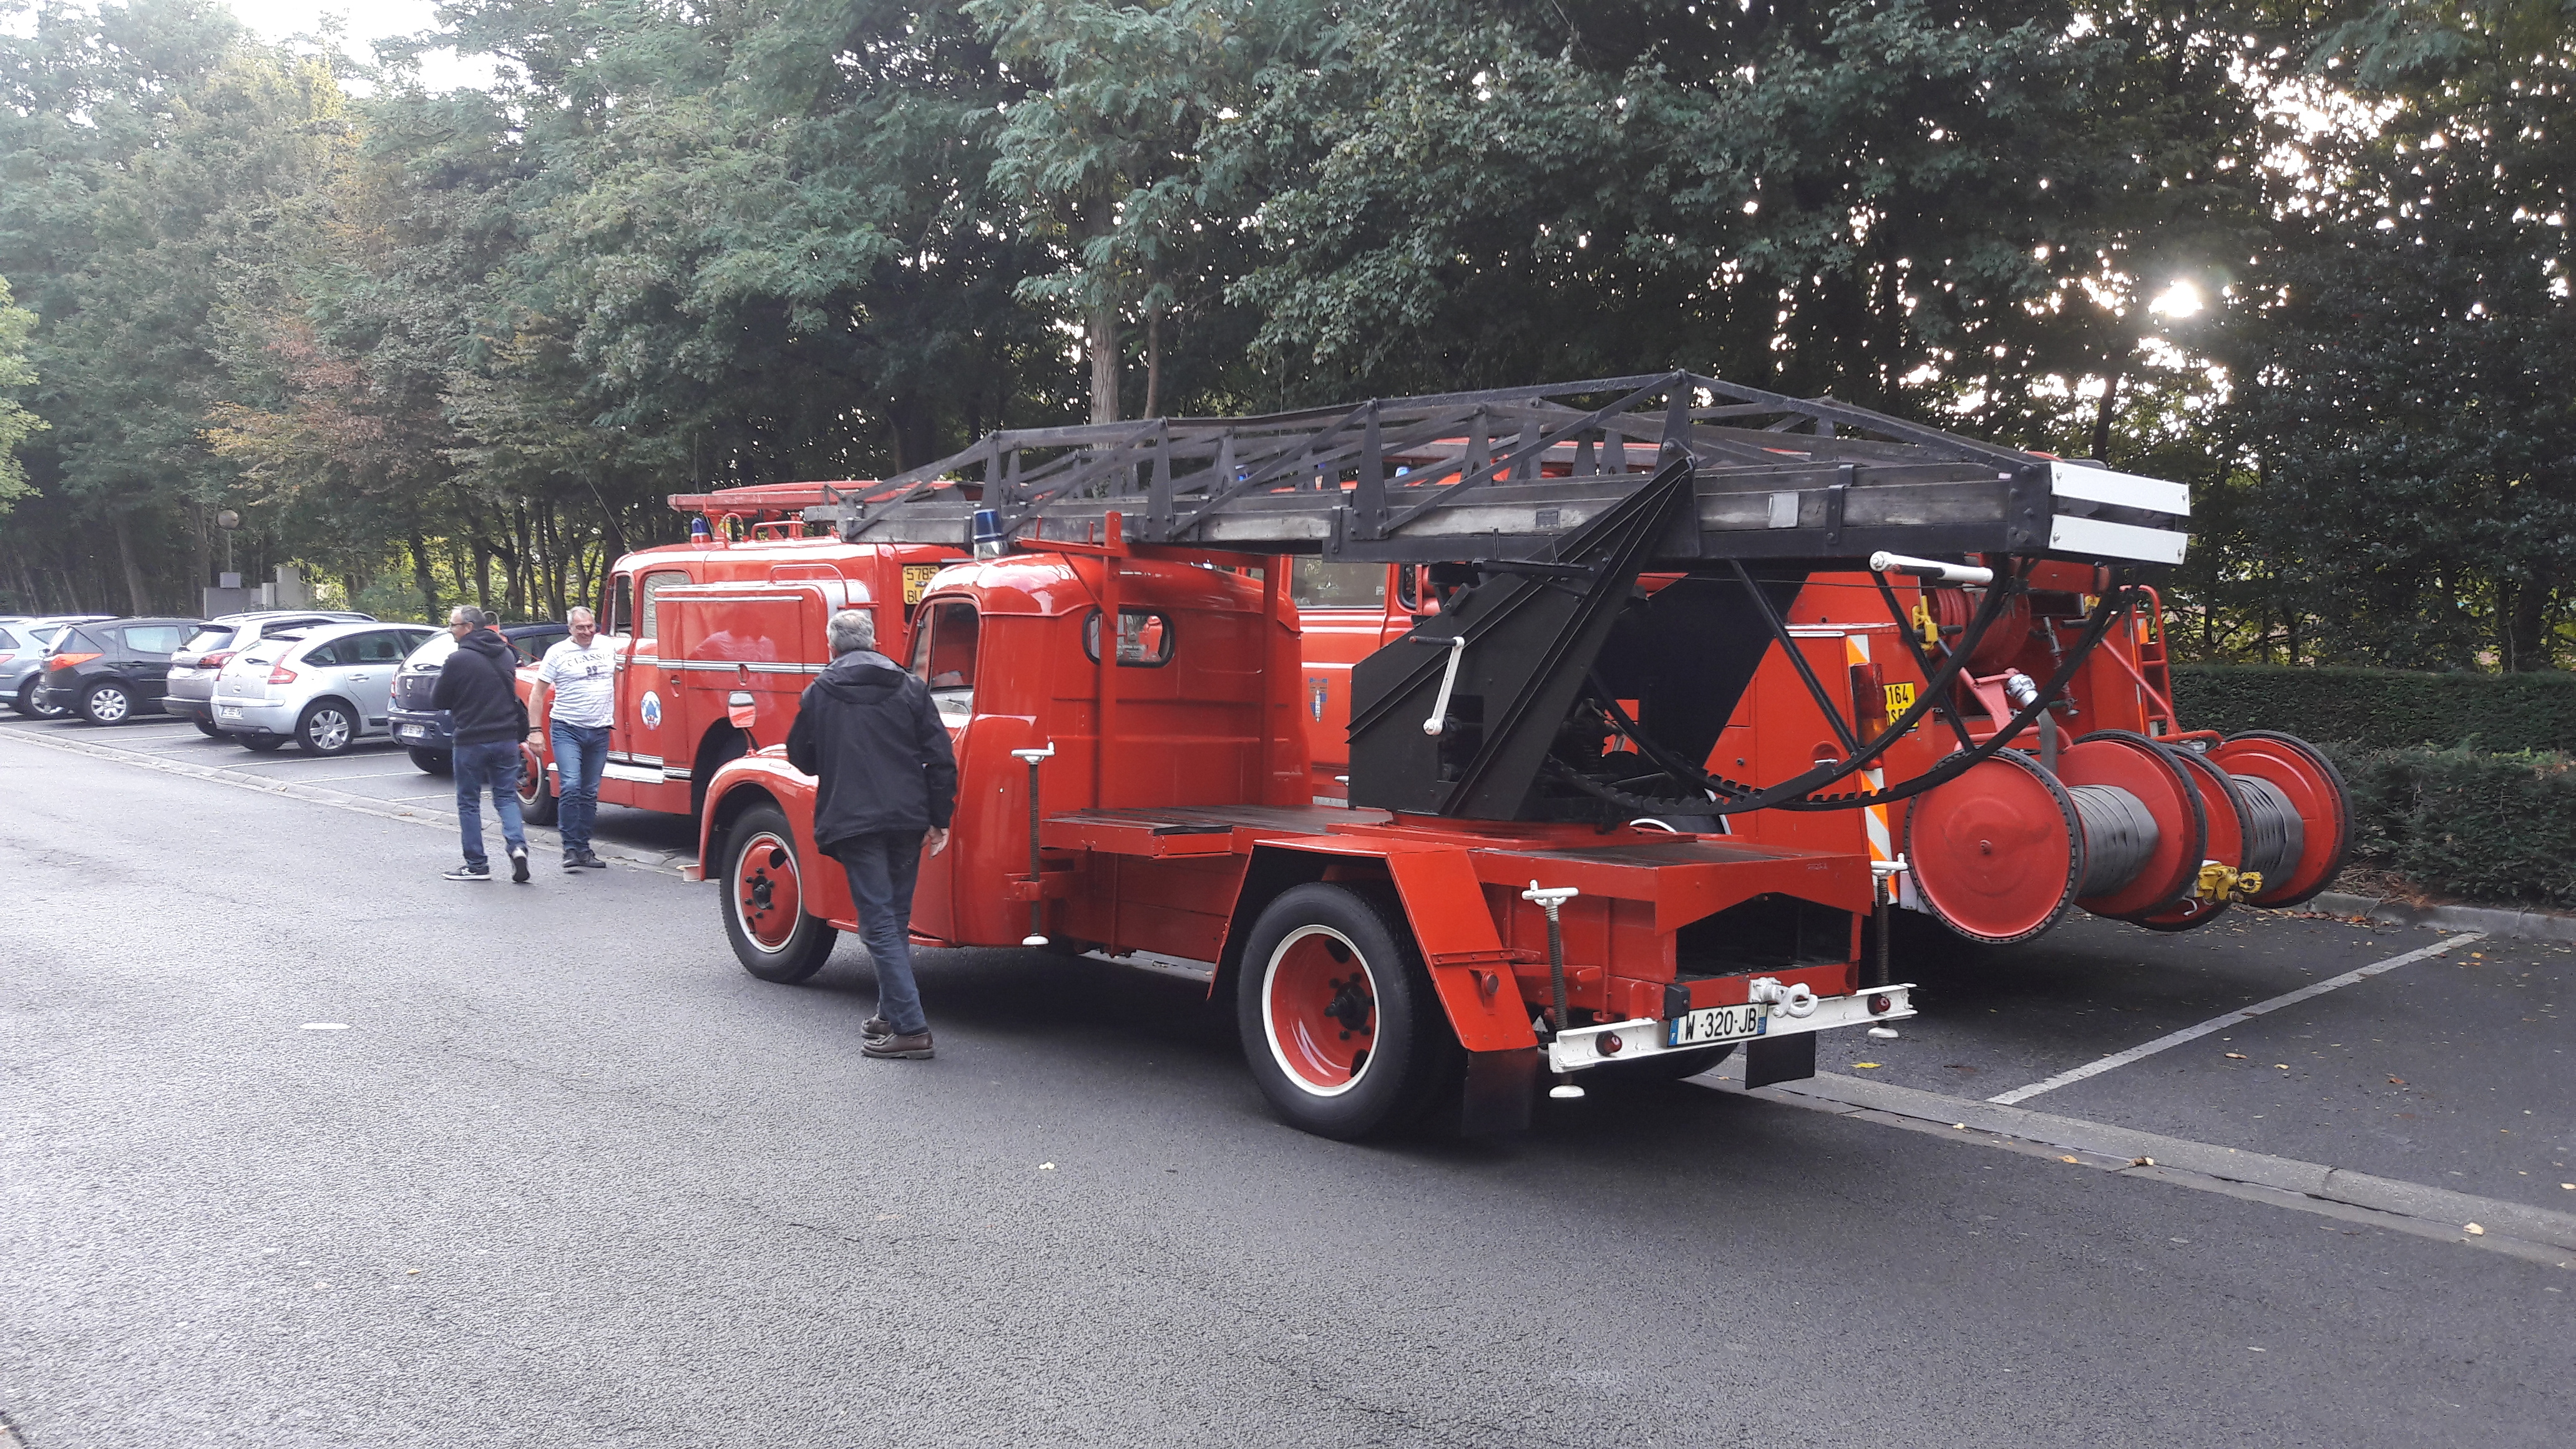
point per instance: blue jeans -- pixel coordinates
(881, 867)
(496, 766)
(581, 752)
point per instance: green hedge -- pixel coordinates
(2381, 708)
(2465, 823)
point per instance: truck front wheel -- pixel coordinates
(764, 901)
(1339, 1022)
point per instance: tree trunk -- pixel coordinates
(1153, 364)
(1100, 323)
(2526, 631)
(2102, 419)
(133, 575)
(423, 579)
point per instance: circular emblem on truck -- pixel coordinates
(652, 710)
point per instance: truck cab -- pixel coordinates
(691, 624)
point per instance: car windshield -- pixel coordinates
(212, 636)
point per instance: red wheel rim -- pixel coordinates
(532, 773)
(2226, 811)
(768, 899)
(1995, 853)
(1319, 1010)
(2316, 791)
(2147, 770)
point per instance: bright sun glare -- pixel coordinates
(2182, 299)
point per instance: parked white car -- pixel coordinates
(324, 689)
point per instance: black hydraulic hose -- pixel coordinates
(1798, 794)
(1744, 797)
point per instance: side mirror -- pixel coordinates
(744, 712)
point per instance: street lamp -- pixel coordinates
(228, 520)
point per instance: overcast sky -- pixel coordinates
(368, 20)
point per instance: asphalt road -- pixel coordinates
(558, 1173)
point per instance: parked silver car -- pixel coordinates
(323, 689)
(22, 659)
(206, 652)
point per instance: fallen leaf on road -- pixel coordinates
(2236, 1056)
(1866, 1066)
(411, 1270)
(2397, 1081)
(2473, 1230)
(2069, 1159)
(1046, 1167)
(2284, 1066)
(1962, 1127)
(2142, 1162)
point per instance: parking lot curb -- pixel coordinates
(2121, 1144)
(2494, 920)
(336, 799)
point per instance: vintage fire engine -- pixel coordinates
(1513, 890)
(740, 609)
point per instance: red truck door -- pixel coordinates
(638, 736)
(945, 637)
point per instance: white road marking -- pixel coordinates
(326, 1026)
(2534, 1234)
(2194, 1033)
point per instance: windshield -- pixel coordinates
(212, 636)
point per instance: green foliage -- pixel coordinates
(2467, 824)
(2380, 708)
(16, 423)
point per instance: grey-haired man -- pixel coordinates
(886, 785)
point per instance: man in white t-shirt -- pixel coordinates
(580, 675)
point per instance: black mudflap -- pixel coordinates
(1500, 1091)
(1769, 1059)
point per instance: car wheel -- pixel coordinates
(1338, 1019)
(537, 804)
(431, 762)
(764, 901)
(261, 744)
(207, 728)
(107, 703)
(327, 727)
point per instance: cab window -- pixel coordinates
(943, 657)
(1317, 584)
(1145, 638)
(654, 584)
(621, 605)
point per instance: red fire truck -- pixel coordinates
(740, 609)
(1132, 722)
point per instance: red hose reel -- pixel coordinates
(2165, 835)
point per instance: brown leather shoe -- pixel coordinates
(915, 1047)
(875, 1027)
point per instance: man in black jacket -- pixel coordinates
(478, 686)
(886, 785)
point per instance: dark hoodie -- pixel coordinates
(866, 730)
(478, 686)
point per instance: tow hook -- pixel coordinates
(1791, 1001)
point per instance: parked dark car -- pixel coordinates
(22, 657)
(204, 655)
(423, 730)
(110, 672)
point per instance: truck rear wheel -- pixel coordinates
(1338, 1019)
(764, 901)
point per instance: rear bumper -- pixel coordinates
(253, 717)
(421, 729)
(188, 709)
(1646, 1036)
